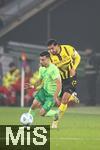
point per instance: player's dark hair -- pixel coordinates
(12, 64)
(52, 41)
(45, 53)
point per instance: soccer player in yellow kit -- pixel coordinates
(67, 59)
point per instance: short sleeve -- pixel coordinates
(40, 73)
(55, 73)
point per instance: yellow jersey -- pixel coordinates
(66, 59)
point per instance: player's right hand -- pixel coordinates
(57, 101)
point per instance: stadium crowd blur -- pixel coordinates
(10, 81)
(92, 67)
(10, 85)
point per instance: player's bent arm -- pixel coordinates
(37, 83)
(76, 59)
(58, 89)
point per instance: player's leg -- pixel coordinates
(36, 104)
(73, 84)
(69, 86)
(69, 93)
(38, 101)
(51, 113)
(74, 98)
(42, 112)
(64, 103)
(61, 110)
(48, 104)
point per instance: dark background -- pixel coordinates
(75, 22)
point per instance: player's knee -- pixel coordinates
(65, 98)
(42, 112)
(35, 104)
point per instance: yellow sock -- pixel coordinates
(62, 108)
(31, 112)
(72, 97)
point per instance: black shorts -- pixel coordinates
(69, 85)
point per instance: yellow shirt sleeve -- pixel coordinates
(75, 56)
(77, 59)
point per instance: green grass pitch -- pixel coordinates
(79, 129)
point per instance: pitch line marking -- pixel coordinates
(76, 139)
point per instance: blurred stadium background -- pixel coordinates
(26, 25)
